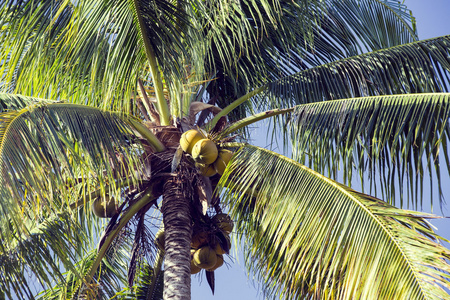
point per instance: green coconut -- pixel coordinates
(222, 160)
(104, 207)
(188, 140)
(224, 222)
(218, 264)
(205, 257)
(206, 170)
(205, 152)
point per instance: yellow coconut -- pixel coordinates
(160, 239)
(205, 152)
(222, 160)
(200, 239)
(205, 257)
(194, 268)
(218, 264)
(224, 222)
(188, 140)
(104, 207)
(206, 170)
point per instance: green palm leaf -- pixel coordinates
(146, 288)
(59, 236)
(311, 237)
(110, 278)
(88, 52)
(40, 145)
(388, 135)
(417, 67)
(305, 35)
(54, 159)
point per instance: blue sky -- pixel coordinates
(232, 282)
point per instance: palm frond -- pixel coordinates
(34, 255)
(54, 157)
(88, 52)
(294, 36)
(418, 67)
(142, 289)
(145, 282)
(311, 237)
(400, 137)
(110, 278)
(93, 52)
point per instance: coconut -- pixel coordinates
(194, 268)
(104, 207)
(206, 170)
(222, 160)
(205, 152)
(224, 222)
(188, 140)
(160, 239)
(200, 239)
(205, 257)
(218, 264)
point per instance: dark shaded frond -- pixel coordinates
(145, 281)
(308, 236)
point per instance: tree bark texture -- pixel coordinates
(178, 234)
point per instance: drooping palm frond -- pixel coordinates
(287, 42)
(34, 255)
(55, 157)
(110, 278)
(392, 140)
(308, 236)
(88, 51)
(418, 67)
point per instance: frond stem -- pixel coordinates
(163, 107)
(148, 135)
(255, 118)
(126, 217)
(235, 104)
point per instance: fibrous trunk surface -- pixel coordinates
(178, 232)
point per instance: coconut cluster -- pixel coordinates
(208, 247)
(209, 160)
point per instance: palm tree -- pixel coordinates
(346, 83)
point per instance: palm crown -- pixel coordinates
(127, 78)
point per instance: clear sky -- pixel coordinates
(232, 283)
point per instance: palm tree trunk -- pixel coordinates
(178, 234)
